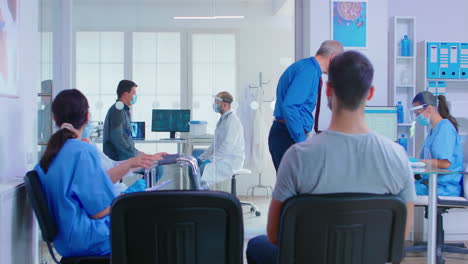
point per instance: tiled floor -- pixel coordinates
(254, 226)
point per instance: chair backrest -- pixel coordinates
(39, 204)
(342, 228)
(177, 227)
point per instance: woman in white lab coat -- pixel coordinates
(226, 153)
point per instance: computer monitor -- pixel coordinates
(138, 130)
(165, 120)
(383, 120)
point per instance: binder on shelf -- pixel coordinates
(432, 60)
(454, 63)
(432, 87)
(463, 60)
(441, 88)
(444, 60)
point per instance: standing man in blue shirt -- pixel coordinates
(296, 97)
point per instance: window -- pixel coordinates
(157, 71)
(99, 68)
(46, 56)
(213, 70)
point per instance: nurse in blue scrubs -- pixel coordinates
(79, 192)
(442, 147)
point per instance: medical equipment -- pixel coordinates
(197, 128)
(165, 120)
(183, 161)
(138, 130)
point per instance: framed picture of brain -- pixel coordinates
(349, 23)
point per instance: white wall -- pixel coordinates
(18, 116)
(435, 19)
(266, 44)
(377, 23)
(18, 145)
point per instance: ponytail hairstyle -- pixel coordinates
(428, 98)
(69, 106)
(444, 111)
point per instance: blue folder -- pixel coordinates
(432, 60)
(463, 60)
(444, 52)
(454, 62)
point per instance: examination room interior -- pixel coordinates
(181, 54)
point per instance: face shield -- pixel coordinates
(416, 111)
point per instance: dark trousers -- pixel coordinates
(279, 141)
(261, 251)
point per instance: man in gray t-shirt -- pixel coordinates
(347, 158)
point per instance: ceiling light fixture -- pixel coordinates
(207, 17)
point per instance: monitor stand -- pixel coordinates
(172, 135)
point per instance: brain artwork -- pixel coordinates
(349, 10)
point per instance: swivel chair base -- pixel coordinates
(253, 207)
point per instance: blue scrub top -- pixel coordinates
(296, 96)
(77, 187)
(443, 142)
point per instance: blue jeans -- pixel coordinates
(279, 141)
(261, 251)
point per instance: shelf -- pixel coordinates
(405, 86)
(44, 94)
(449, 80)
(405, 57)
(404, 124)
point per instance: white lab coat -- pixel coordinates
(226, 152)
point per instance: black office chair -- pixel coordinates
(177, 227)
(47, 223)
(342, 228)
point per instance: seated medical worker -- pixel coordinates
(79, 191)
(226, 153)
(442, 147)
(346, 158)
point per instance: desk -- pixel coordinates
(179, 142)
(432, 209)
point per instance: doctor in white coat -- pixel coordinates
(226, 153)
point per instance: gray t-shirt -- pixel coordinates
(334, 162)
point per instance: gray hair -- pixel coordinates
(330, 48)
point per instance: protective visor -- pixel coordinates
(220, 99)
(414, 111)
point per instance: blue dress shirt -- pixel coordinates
(296, 96)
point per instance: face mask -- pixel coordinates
(89, 128)
(423, 121)
(134, 99)
(215, 107)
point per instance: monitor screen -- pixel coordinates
(383, 120)
(164, 120)
(138, 130)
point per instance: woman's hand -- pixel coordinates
(159, 156)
